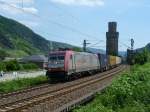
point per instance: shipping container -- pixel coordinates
(85, 61)
(104, 61)
(112, 61)
(118, 60)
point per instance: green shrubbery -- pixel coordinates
(15, 66)
(12, 65)
(129, 93)
(29, 66)
(141, 57)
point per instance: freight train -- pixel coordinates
(65, 64)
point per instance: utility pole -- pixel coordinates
(131, 53)
(85, 45)
(51, 46)
(132, 43)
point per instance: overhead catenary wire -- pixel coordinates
(99, 42)
(69, 14)
(51, 21)
(18, 8)
(58, 24)
(98, 47)
(124, 44)
(66, 12)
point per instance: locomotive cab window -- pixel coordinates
(56, 59)
(61, 57)
(52, 58)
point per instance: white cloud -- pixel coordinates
(8, 9)
(31, 10)
(19, 1)
(14, 6)
(90, 3)
(29, 23)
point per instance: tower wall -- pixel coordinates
(112, 37)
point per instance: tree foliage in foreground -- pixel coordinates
(141, 57)
(129, 93)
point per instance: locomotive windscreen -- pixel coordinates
(56, 61)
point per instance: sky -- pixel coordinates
(72, 21)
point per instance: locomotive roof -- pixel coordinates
(57, 52)
(70, 51)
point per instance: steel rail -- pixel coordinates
(52, 94)
(11, 97)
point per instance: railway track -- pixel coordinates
(50, 97)
(4, 95)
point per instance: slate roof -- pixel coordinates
(34, 58)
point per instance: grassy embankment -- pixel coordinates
(128, 93)
(18, 84)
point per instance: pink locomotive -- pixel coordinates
(65, 64)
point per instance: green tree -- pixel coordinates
(12, 65)
(142, 57)
(3, 54)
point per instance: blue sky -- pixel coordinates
(72, 21)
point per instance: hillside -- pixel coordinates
(141, 49)
(18, 40)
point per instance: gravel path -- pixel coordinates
(12, 76)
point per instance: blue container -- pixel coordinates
(104, 61)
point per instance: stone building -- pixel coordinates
(39, 60)
(112, 37)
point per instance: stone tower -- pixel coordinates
(112, 37)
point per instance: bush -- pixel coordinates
(12, 65)
(29, 66)
(129, 93)
(15, 66)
